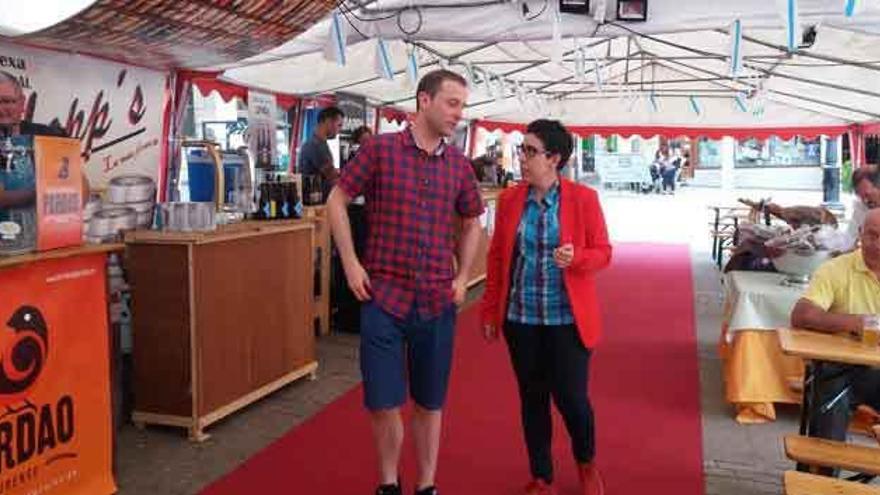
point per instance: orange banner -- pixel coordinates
(55, 412)
(59, 192)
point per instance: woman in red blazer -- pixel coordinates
(550, 240)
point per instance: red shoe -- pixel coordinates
(539, 487)
(591, 480)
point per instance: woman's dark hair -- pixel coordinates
(555, 138)
(359, 133)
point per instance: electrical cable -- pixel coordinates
(539, 14)
(342, 4)
(418, 28)
(342, 10)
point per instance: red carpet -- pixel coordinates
(645, 389)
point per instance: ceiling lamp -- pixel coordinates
(28, 17)
(574, 6)
(632, 10)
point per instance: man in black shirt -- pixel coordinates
(12, 102)
(316, 160)
(16, 188)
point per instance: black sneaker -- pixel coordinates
(389, 490)
(431, 490)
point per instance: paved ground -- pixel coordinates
(739, 460)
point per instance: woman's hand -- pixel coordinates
(564, 255)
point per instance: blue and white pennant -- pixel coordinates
(740, 101)
(695, 106)
(852, 7)
(791, 16)
(383, 65)
(334, 49)
(736, 55)
(412, 65)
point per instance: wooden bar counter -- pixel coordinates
(478, 269)
(221, 319)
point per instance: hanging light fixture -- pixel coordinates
(632, 10)
(28, 17)
(574, 6)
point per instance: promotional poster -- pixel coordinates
(262, 138)
(55, 411)
(114, 110)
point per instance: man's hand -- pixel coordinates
(459, 290)
(563, 255)
(358, 280)
(490, 332)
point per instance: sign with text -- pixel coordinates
(355, 109)
(114, 110)
(55, 424)
(262, 138)
(59, 192)
(622, 168)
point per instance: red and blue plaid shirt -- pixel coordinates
(411, 200)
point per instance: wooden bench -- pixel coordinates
(831, 454)
(797, 483)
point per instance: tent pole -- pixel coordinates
(374, 79)
(817, 56)
(760, 69)
(788, 95)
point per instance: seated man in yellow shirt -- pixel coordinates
(841, 292)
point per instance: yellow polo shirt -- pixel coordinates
(845, 285)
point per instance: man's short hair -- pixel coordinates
(555, 138)
(868, 172)
(330, 113)
(7, 78)
(433, 81)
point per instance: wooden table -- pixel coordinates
(819, 349)
(828, 348)
(55, 254)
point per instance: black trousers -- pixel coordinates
(845, 387)
(551, 361)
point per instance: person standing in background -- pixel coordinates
(316, 160)
(866, 185)
(358, 138)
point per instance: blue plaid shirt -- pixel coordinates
(537, 289)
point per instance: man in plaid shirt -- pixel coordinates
(414, 184)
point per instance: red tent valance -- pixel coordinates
(392, 114)
(287, 101)
(870, 128)
(207, 82)
(674, 132)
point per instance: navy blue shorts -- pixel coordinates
(393, 349)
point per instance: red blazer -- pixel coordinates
(582, 221)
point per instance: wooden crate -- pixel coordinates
(221, 319)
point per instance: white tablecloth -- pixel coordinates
(758, 301)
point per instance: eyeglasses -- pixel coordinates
(530, 151)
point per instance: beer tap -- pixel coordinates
(8, 164)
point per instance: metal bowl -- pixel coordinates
(131, 189)
(111, 221)
(800, 266)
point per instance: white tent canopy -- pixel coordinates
(670, 71)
